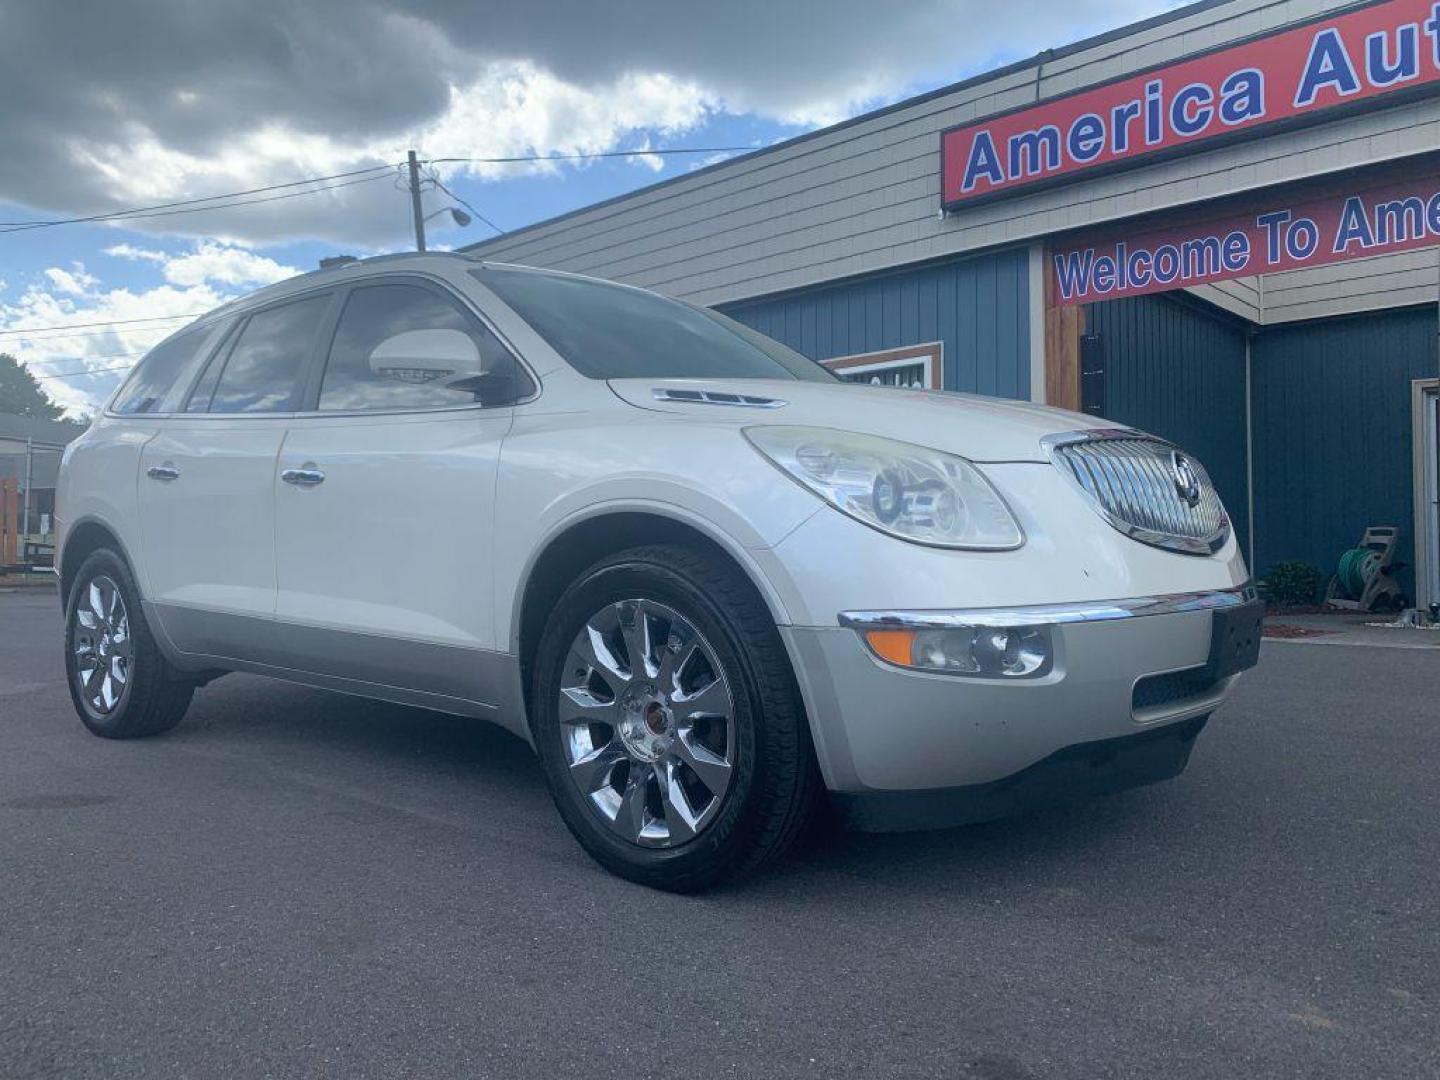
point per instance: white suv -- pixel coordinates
(705, 579)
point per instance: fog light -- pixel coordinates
(1012, 652)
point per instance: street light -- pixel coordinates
(460, 217)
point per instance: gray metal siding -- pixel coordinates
(1332, 433)
(977, 307)
(1239, 296)
(1400, 279)
(863, 197)
(1179, 372)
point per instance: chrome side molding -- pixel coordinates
(1050, 614)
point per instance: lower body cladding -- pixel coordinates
(1118, 701)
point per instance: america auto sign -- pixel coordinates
(1278, 234)
(1366, 56)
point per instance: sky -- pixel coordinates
(113, 106)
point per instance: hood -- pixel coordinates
(975, 427)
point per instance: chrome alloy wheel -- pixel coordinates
(102, 644)
(648, 723)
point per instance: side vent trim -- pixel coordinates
(717, 397)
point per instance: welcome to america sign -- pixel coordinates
(1369, 56)
(1257, 237)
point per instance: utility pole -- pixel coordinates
(415, 207)
(29, 480)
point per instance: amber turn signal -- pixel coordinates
(896, 646)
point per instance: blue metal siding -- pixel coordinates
(1178, 371)
(1332, 430)
(978, 307)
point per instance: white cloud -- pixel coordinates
(642, 156)
(72, 282)
(108, 351)
(516, 108)
(138, 254)
(224, 265)
(511, 109)
(195, 281)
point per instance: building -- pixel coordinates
(30, 452)
(1217, 225)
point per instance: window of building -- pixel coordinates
(913, 367)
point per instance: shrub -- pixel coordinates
(1290, 583)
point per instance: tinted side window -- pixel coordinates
(199, 400)
(422, 370)
(607, 331)
(204, 388)
(262, 371)
(156, 374)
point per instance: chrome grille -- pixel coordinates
(1132, 480)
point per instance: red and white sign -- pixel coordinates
(1367, 57)
(1265, 238)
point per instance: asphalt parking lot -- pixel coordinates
(297, 883)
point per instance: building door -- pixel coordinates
(1427, 495)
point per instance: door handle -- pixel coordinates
(305, 476)
(166, 472)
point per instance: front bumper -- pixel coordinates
(1084, 770)
(1120, 670)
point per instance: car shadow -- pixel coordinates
(472, 766)
(1074, 832)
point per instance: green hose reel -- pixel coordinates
(1364, 579)
(1358, 567)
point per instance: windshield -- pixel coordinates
(607, 331)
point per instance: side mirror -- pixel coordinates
(447, 357)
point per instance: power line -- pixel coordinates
(245, 202)
(215, 201)
(658, 152)
(436, 181)
(137, 215)
(21, 226)
(82, 374)
(108, 322)
(24, 343)
(72, 359)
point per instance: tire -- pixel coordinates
(143, 694)
(707, 628)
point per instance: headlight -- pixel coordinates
(991, 652)
(907, 491)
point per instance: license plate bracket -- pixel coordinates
(1235, 638)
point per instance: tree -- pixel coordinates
(21, 394)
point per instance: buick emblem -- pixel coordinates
(1187, 484)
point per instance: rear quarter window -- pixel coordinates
(157, 373)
